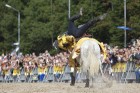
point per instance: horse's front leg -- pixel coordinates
(73, 74)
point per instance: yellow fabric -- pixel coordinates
(78, 69)
(123, 67)
(76, 50)
(78, 44)
(31, 73)
(71, 61)
(58, 69)
(137, 65)
(119, 67)
(55, 68)
(40, 70)
(103, 50)
(5, 72)
(66, 39)
(63, 68)
(15, 72)
(114, 68)
(26, 73)
(46, 69)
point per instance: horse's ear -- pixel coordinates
(59, 38)
(55, 44)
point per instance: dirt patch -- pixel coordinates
(66, 88)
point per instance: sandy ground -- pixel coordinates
(66, 88)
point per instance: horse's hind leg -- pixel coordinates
(87, 83)
(72, 79)
(87, 79)
(73, 74)
(91, 82)
(101, 70)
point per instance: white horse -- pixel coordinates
(89, 60)
(87, 52)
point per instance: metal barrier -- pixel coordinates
(1, 77)
(50, 75)
(129, 75)
(126, 74)
(66, 75)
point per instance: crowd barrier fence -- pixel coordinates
(121, 72)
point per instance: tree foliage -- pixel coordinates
(43, 20)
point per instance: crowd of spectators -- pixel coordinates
(129, 54)
(13, 63)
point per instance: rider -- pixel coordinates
(79, 31)
(65, 41)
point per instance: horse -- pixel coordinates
(89, 60)
(86, 52)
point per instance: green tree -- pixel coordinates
(43, 20)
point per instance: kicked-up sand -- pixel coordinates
(66, 88)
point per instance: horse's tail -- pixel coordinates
(89, 57)
(93, 60)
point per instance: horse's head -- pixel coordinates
(76, 52)
(66, 42)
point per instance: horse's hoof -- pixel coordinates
(86, 86)
(71, 84)
(91, 86)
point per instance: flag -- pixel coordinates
(124, 28)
